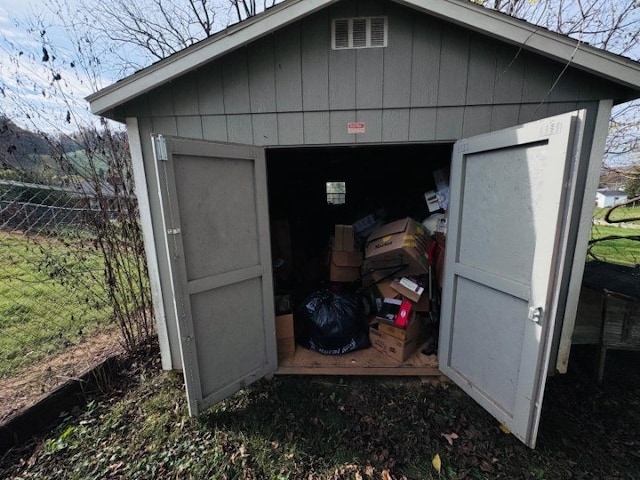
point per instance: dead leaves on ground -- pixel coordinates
(450, 437)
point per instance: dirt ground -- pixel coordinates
(37, 381)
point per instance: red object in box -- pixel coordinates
(402, 319)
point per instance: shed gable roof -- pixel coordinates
(615, 68)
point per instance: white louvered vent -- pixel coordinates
(378, 32)
(361, 32)
(341, 33)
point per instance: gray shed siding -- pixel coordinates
(434, 82)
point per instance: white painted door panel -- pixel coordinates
(214, 205)
(506, 219)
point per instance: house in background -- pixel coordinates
(609, 198)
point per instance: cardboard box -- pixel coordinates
(343, 239)
(408, 288)
(384, 287)
(412, 291)
(344, 266)
(400, 333)
(285, 337)
(397, 348)
(399, 247)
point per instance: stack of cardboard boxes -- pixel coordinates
(345, 260)
(400, 333)
(395, 265)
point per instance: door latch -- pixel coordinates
(535, 315)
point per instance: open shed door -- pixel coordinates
(214, 204)
(507, 222)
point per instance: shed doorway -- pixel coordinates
(313, 189)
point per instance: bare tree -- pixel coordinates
(133, 35)
(248, 8)
(613, 26)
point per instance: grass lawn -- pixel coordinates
(619, 251)
(619, 213)
(340, 428)
(47, 298)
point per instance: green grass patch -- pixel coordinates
(618, 214)
(618, 251)
(51, 293)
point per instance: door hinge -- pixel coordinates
(535, 315)
(160, 145)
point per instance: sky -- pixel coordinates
(40, 95)
(30, 94)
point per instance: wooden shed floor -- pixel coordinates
(368, 361)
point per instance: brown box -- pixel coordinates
(403, 242)
(343, 239)
(400, 333)
(396, 348)
(418, 295)
(344, 266)
(384, 287)
(285, 337)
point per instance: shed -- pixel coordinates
(252, 124)
(609, 198)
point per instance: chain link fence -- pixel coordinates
(61, 274)
(51, 288)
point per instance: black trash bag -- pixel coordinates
(333, 323)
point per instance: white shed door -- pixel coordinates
(214, 204)
(506, 220)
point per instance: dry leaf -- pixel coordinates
(386, 475)
(486, 467)
(505, 429)
(437, 464)
(358, 476)
(369, 471)
(114, 467)
(450, 437)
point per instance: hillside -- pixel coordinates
(20, 148)
(31, 157)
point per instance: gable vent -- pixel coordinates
(341, 33)
(378, 32)
(361, 32)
